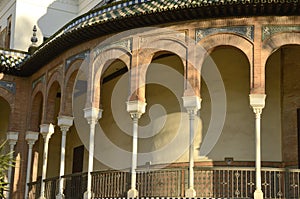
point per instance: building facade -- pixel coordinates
(156, 99)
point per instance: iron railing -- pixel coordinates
(214, 182)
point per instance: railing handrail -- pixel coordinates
(74, 174)
(218, 181)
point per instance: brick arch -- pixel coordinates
(165, 43)
(38, 88)
(275, 42)
(68, 93)
(70, 78)
(224, 39)
(160, 44)
(8, 97)
(100, 64)
(50, 101)
(37, 110)
(55, 77)
(74, 66)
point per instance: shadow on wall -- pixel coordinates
(58, 14)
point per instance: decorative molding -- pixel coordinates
(10, 86)
(245, 31)
(269, 30)
(38, 80)
(81, 55)
(125, 44)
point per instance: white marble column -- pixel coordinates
(31, 137)
(92, 115)
(135, 109)
(46, 130)
(257, 102)
(12, 138)
(192, 105)
(64, 122)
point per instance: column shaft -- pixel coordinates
(258, 151)
(91, 159)
(134, 153)
(9, 172)
(191, 151)
(28, 169)
(62, 161)
(44, 168)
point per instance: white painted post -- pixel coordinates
(31, 137)
(12, 138)
(64, 122)
(192, 104)
(46, 130)
(257, 101)
(92, 116)
(136, 109)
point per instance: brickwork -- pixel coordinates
(29, 104)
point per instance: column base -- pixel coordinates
(190, 193)
(60, 196)
(258, 194)
(132, 193)
(87, 195)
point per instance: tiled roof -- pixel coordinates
(130, 14)
(10, 61)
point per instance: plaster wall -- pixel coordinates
(237, 139)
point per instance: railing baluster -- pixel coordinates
(217, 182)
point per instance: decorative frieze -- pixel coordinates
(245, 31)
(38, 80)
(10, 86)
(81, 55)
(269, 30)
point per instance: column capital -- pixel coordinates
(47, 130)
(12, 137)
(136, 108)
(257, 102)
(31, 137)
(92, 114)
(192, 103)
(64, 122)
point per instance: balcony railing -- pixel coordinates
(215, 182)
